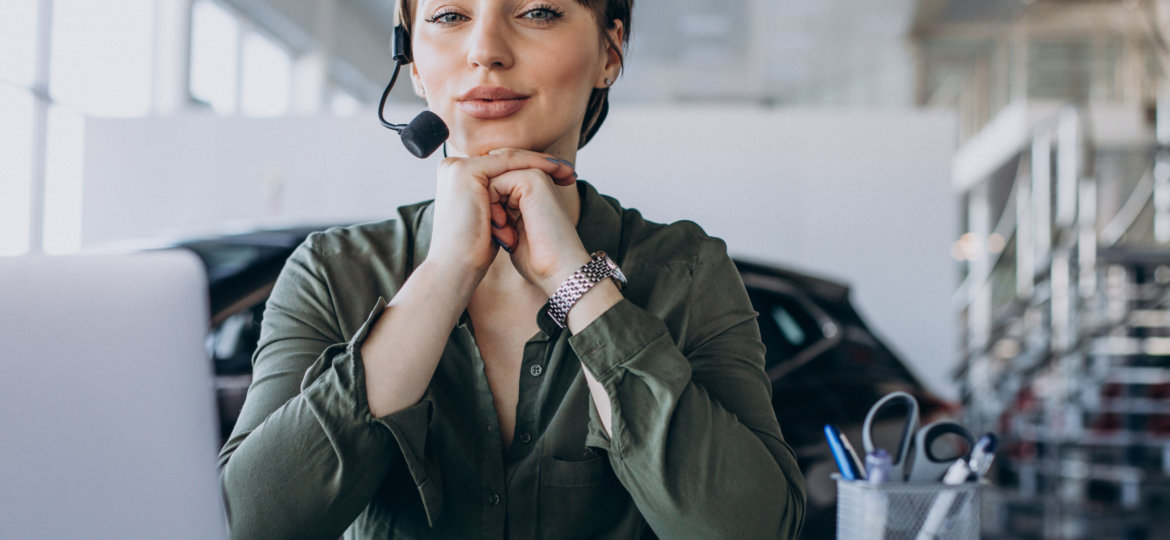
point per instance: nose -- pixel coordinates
(489, 45)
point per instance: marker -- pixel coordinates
(840, 454)
(956, 474)
(877, 466)
(983, 455)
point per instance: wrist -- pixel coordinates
(592, 305)
(568, 266)
(600, 270)
(460, 278)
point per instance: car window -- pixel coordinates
(786, 326)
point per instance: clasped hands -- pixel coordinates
(508, 198)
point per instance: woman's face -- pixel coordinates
(510, 73)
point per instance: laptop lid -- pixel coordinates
(107, 399)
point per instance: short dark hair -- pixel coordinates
(605, 11)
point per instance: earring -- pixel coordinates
(608, 82)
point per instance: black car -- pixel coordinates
(825, 364)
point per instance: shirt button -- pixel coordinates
(525, 438)
(494, 499)
(536, 370)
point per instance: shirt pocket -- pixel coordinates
(581, 499)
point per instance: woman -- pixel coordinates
(465, 408)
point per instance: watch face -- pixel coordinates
(617, 273)
(614, 270)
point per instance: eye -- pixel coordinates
(543, 14)
(446, 17)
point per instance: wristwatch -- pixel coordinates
(598, 268)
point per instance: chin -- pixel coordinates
(478, 138)
(478, 145)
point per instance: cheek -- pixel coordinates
(572, 71)
(430, 72)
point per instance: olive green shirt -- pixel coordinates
(696, 450)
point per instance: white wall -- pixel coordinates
(862, 196)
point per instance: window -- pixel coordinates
(101, 56)
(18, 25)
(266, 82)
(215, 43)
(100, 65)
(234, 66)
(88, 58)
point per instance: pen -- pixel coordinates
(858, 468)
(840, 454)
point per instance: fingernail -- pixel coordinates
(497, 226)
(560, 161)
(502, 245)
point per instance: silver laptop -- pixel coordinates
(107, 404)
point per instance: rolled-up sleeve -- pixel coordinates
(306, 454)
(694, 438)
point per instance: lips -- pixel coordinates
(491, 102)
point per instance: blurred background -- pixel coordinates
(990, 177)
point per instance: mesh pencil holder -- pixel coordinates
(910, 511)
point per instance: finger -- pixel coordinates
(563, 180)
(511, 159)
(502, 244)
(499, 215)
(506, 236)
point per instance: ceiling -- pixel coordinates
(812, 52)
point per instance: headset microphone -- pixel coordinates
(423, 135)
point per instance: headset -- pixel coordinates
(423, 135)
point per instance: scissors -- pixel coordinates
(915, 459)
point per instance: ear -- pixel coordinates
(416, 81)
(613, 57)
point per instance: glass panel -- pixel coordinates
(101, 56)
(788, 326)
(16, 138)
(267, 77)
(215, 39)
(63, 181)
(18, 25)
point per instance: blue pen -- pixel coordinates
(839, 447)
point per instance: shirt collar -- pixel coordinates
(600, 224)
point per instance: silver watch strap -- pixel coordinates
(573, 288)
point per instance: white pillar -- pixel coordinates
(172, 56)
(40, 127)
